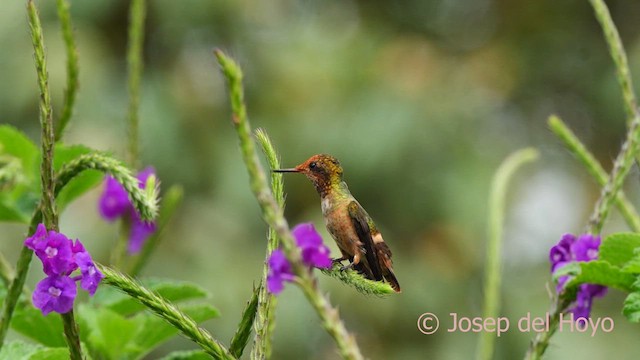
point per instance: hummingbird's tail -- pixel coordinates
(391, 279)
(384, 259)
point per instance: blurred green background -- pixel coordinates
(420, 100)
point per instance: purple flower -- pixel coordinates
(314, 252)
(60, 257)
(91, 276)
(143, 176)
(561, 253)
(586, 247)
(582, 307)
(584, 299)
(55, 293)
(114, 203)
(139, 233)
(570, 249)
(54, 250)
(279, 272)
(38, 236)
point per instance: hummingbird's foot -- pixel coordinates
(347, 267)
(338, 260)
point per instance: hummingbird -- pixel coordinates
(347, 221)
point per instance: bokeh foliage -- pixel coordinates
(420, 100)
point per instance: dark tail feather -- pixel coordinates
(391, 279)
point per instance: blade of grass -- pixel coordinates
(493, 278)
(71, 89)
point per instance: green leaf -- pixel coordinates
(67, 153)
(173, 291)
(18, 350)
(631, 308)
(15, 143)
(19, 200)
(79, 185)
(633, 266)
(51, 354)
(108, 333)
(571, 269)
(617, 249)
(82, 183)
(241, 337)
(46, 330)
(156, 330)
(602, 273)
(187, 355)
(11, 213)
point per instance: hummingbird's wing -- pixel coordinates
(359, 218)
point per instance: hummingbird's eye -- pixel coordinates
(312, 165)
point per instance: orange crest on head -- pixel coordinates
(321, 165)
(322, 169)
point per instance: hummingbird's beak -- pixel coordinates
(294, 170)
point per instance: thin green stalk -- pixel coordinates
(46, 121)
(120, 248)
(619, 56)
(241, 337)
(493, 279)
(166, 310)
(71, 90)
(71, 335)
(48, 208)
(624, 160)
(137, 14)
(274, 216)
(540, 343)
(594, 168)
(144, 200)
(621, 166)
(265, 318)
(170, 202)
(355, 280)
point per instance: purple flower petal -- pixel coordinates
(317, 257)
(569, 249)
(594, 290)
(91, 276)
(278, 262)
(279, 272)
(586, 247)
(114, 201)
(54, 250)
(275, 284)
(314, 252)
(139, 233)
(306, 235)
(38, 237)
(582, 307)
(562, 251)
(55, 293)
(561, 281)
(144, 175)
